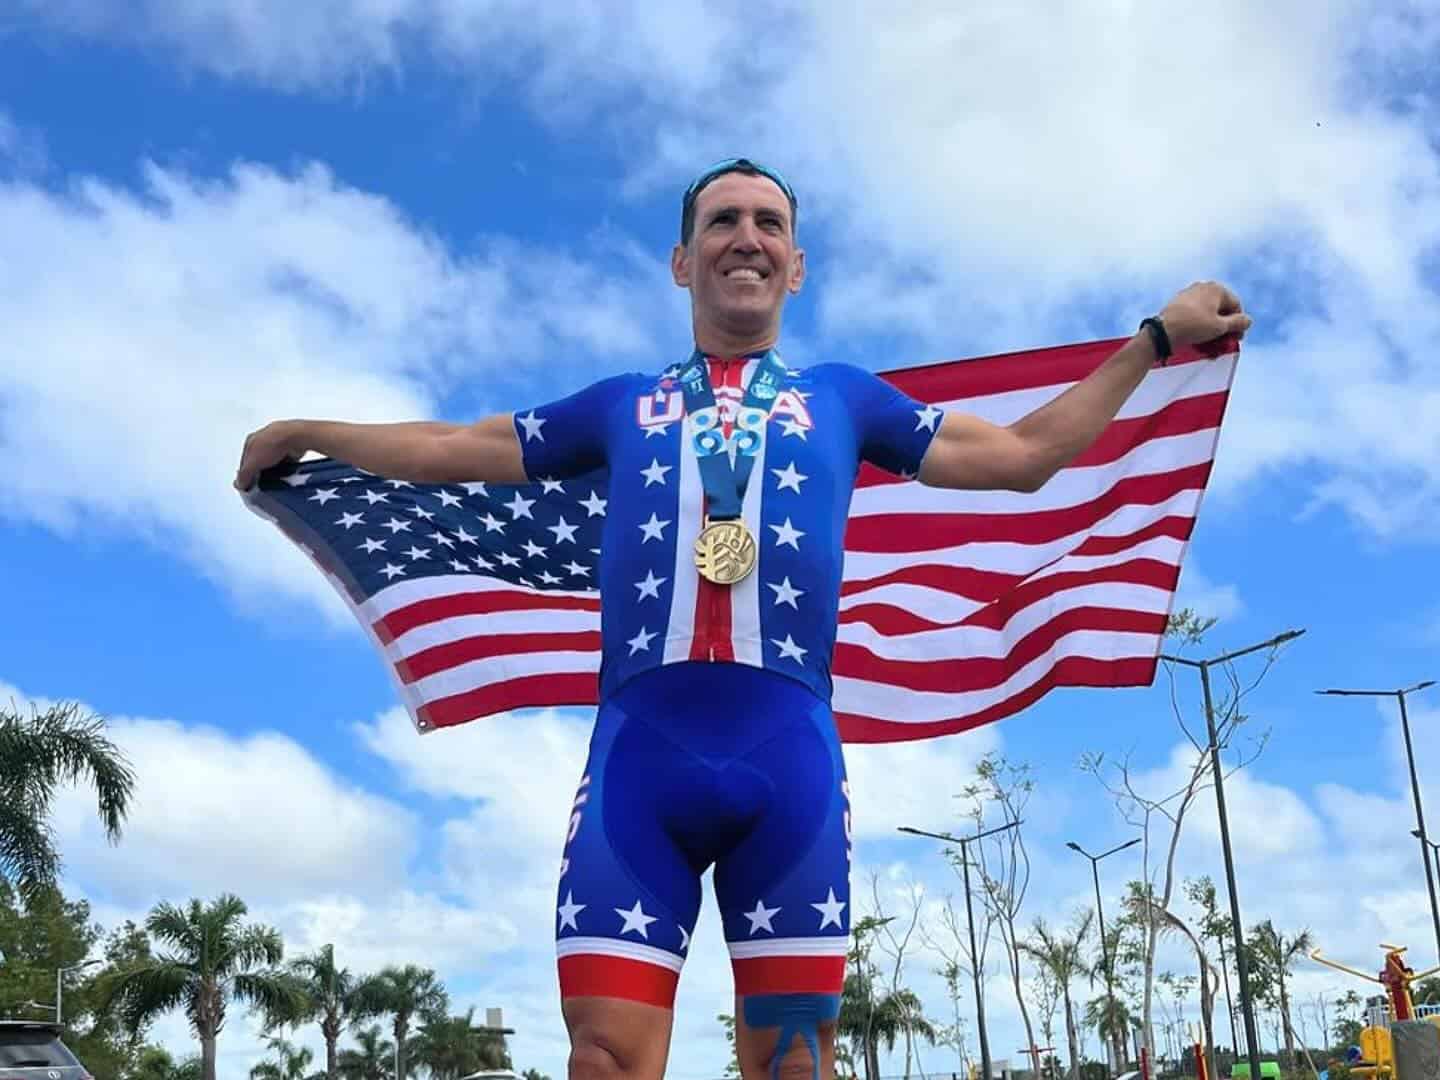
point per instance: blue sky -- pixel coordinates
(216, 213)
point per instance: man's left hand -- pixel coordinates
(1203, 312)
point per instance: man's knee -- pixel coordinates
(592, 1061)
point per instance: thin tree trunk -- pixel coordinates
(1285, 1020)
(207, 1057)
(1072, 1036)
(1207, 1015)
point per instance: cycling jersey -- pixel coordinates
(656, 608)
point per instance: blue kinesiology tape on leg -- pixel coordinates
(793, 1014)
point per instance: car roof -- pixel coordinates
(30, 1025)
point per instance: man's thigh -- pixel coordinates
(615, 1037)
(806, 1024)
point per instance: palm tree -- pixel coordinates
(291, 1064)
(1062, 957)
(454, 1046)
(214, 958)
(1278, 954)
(374, 1060)
(867, 1022)
(401, 993)
(1110, 1017)
(1167, 922)
(38, 754)
(328, 994)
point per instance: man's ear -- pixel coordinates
(797, 271)
(680, 266)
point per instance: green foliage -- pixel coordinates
(40, 753)
(372, 1058)
(450, 1047)
(403, 994)
(733, 1068)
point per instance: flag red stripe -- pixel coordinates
(589, 975)
(965, 674)
(895, 621)
(434, 609)
(540, 691)
(895, 533)
(1184, 417)
(789, 974)
(481, 647)
(1069, 671)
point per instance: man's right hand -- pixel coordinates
(265, 447)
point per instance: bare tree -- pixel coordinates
(952, 946)
(1004, 788)
(893, 939)
(1160, 815)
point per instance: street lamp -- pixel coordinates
(1435, 847)
(59, 983)
(964, 842)
(1099, 908)
(1419, 831)
(1242, 965)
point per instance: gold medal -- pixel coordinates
(725, 551)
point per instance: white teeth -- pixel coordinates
(744, 273)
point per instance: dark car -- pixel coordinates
(32, 1050)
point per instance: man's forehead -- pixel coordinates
(738, 189)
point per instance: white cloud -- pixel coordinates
(1207, 598)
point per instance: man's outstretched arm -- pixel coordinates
(423, 452)
(968, 452)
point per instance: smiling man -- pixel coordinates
(714, 745)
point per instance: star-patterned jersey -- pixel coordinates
(693, 765)
(655, 607)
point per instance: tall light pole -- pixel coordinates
(964, 843)
(1100, 910)
(1419, 832)
(1247, 1007)
(59, 982)
(1431, 844)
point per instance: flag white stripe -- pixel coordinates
(628, 950)
(817, 946)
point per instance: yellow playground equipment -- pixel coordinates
(1377, 1055)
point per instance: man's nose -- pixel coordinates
(747, 235)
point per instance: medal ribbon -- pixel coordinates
(725, 481)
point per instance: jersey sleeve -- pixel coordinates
(570, 436)
(892, 428)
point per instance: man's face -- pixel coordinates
(741, 260)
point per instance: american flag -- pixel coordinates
(958, 608)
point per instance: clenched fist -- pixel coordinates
(1203, 312)
(263, 448)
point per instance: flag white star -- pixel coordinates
(298, 479)
(506, 559)
(459, 567)
(549, 578)
(793, 427)
(549, 484)
(417, 553)
(373, 497)
(476, 487)
(532, 425)
(654, 529)
(421, 512)
(656, 429)
(785, 593)
(464, 537)
(569, 910)
(640, 642)
(655, 474)
(443, 540)
(323, 495)
(787, 534)
(492, 523)
(391, 571)
(830, 910)
(520, 507)
(927, 417)
(636, 920)
(650, 586)
(347, 520)
(594, 505)
(372, 545)
(684, 939)
(534, 550)
(788, 649)
(482, 562)
(449, 498)
(575, 568)
(761, 916)
(398, 484)
(395, 525)
(788, 478)
(563, 530)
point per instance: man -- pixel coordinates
(730, 482)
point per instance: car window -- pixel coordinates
(33, 1048)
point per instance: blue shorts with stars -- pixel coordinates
(694, 765)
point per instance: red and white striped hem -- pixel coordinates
(604, 967)
(789, 965)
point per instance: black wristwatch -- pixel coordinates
(1158, 336)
